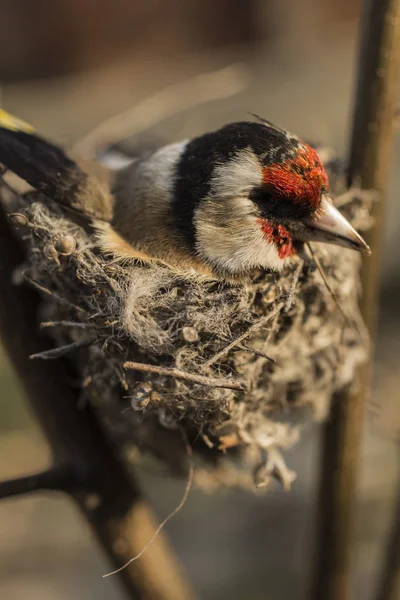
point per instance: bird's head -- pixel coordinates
(250, 194)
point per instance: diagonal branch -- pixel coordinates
(110, 499)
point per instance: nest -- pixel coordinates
(239, 368)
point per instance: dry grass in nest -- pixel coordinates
(239, 367)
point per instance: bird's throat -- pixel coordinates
(280, 237)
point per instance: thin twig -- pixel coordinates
(216, 382)
(293, 285)
(252, 329)
(328, 286)
(77, 324)
(371, 149)
(245, 348)
(48, 292)
(54, 353)
(171, 515)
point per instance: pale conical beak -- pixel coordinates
(330, 226)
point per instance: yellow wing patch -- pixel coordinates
(8, 121)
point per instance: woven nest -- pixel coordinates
(238, 367)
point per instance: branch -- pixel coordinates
(55, 296)
(217, 382)
(370, 154)
(244, 348)
(63, 478)
(111, 502)
(53, 353)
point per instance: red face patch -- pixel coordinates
(301, 178)
(280, 237)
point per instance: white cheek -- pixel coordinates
(230, 238)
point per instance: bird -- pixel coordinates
(227, 203)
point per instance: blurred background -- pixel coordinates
(68, 65)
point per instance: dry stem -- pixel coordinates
(217, 382)
(369, 164)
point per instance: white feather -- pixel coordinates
(238, 175)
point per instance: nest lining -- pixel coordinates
(111, 314)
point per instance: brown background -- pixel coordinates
(111, 54)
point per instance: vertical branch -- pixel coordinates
(373, 124)
(389, 584)
(108, 497)
(370, 154)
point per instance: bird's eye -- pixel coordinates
(271, 205)
(270, 202)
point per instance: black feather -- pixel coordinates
(41, 164)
